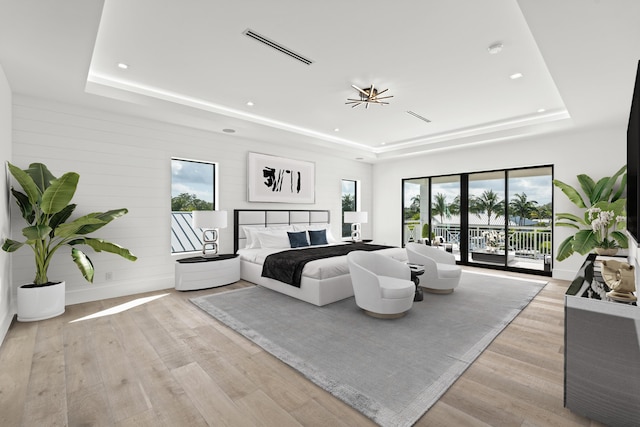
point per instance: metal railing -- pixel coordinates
(525, 241)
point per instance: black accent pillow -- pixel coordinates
(297, 239)
(318, 237)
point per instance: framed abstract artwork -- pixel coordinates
(280, 180)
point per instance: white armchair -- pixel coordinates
(382, 286)
(441, 274)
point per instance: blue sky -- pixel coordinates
(192, 178)
(537, 188)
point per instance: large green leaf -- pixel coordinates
(565, 250)
(571, 193)
(36, 232)
(26, 208)
(587, 184)
(570, 217)
(621, 189)
(61, 217)
(584, 241)
(40, 175)
(71, 229)
(59, 193)
(106, 217)
(11, 245)
(84, 264)
(618, 206)
(26, 182)
(621, 238)
(599, 192)
(100, 245)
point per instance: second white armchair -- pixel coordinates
(441, 274)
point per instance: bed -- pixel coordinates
(322, 282)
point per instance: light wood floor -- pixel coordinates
(166, 363)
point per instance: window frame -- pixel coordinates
(356, 196)
(190, 239)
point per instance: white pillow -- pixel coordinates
(307, 227)
(250, 231)
(277, 239)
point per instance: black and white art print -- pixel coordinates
(277, 179)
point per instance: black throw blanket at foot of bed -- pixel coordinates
(287, 266)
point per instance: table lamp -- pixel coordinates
(209, 222)
(355, 218)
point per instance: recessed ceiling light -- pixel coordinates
(541, 110)
(336, 130)
(122, 65)
(383, 143)
(495, 48)
(515, 76)
(250, 103)
(229, 130)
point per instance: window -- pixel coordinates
(193, 187)
(349, 203)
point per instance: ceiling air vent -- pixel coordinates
(418, 116)
(262, 39)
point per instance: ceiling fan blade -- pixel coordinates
(360, 90)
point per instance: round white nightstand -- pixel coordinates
(207, 272)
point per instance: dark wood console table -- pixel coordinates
(602, 351)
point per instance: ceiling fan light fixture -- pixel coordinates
(367, 96)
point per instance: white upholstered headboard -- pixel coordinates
(273, 217)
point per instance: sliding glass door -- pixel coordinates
(415, 211)
(530, 215)
(486, 216)
(445, 213)
(495, 219)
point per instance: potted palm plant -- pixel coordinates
(45, 206)
(601, 228)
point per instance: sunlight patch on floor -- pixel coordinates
(120, 308)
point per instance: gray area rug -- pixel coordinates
(392, 371)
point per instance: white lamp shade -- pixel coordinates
(355, 217)
(209, 219)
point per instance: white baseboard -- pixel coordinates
(564, 274)
(88, 293)
(5, 322)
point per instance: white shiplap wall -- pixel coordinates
(124, 161)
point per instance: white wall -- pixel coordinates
(7, 308)
(597, 153)
(124, 161)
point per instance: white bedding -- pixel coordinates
(319, 269)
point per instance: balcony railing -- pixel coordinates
(526, 241)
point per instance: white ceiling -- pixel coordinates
(190, 63)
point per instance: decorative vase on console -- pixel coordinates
(603, 224)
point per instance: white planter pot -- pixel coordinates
(40, 303)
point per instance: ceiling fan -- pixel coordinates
(370, 95)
